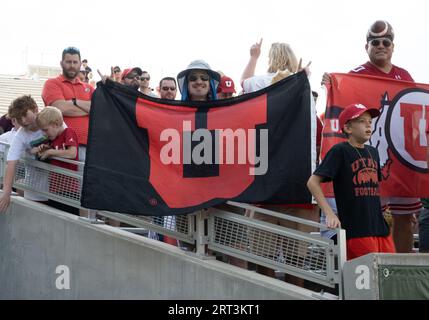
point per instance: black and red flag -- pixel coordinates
(150, 156)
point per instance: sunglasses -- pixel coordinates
(168, 88)
(376, 42)
(133, 76)
(116, 71)
(145, 78)
(203, 77)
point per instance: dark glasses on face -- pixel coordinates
(133, 76)
(194, 77)
(116, 71)
(168, 88)
(145, 78)
(385, 41)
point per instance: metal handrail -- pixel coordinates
(308, 256)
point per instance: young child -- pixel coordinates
(63, 144)
(63, 140)
(27, 139)
(354, 169)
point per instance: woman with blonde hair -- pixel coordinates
(282, 62)
(281, 57)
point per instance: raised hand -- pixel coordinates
(255, 50)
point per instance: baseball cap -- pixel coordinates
(354, 111)
(226, 85)
(129, 70)
(380, 29)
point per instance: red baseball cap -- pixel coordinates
(354, 111)
(129, 70)
(226, 85)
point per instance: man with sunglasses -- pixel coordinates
(144, 85)
(116, 74)
(379, 48)
(198, 82)
(167, 88)
(131, 77)
(72, 96)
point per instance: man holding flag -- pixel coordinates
(379, 48)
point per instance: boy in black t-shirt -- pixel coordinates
(354, 169)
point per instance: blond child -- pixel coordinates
(63, 140)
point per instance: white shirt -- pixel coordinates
(7, 137)
(23, 141)
(256, 83)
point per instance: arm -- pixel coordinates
(38, 150)
(69, 153)
(68, 109)
(427, 150)
(255, 52)
(53, 95)
(7, 185)
(313, 185)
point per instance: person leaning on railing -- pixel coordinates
(27, 139)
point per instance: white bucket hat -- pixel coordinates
(197, 65)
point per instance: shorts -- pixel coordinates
(358, 247)
(401, 205)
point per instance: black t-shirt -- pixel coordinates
(355, 173)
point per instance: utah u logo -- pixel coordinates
(196, 145)
(401, 129)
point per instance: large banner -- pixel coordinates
(398, 133)
(156, 157)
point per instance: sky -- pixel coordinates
(163, 37)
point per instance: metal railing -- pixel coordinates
(305, 255)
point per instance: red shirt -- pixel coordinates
(60, 88)
(67, 138)
(371, 70)
(59, 183)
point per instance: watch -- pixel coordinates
(74, 102)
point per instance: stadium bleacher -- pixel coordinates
(13, 86)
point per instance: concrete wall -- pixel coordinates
(106, 263)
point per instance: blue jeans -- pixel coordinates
(424, 230)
